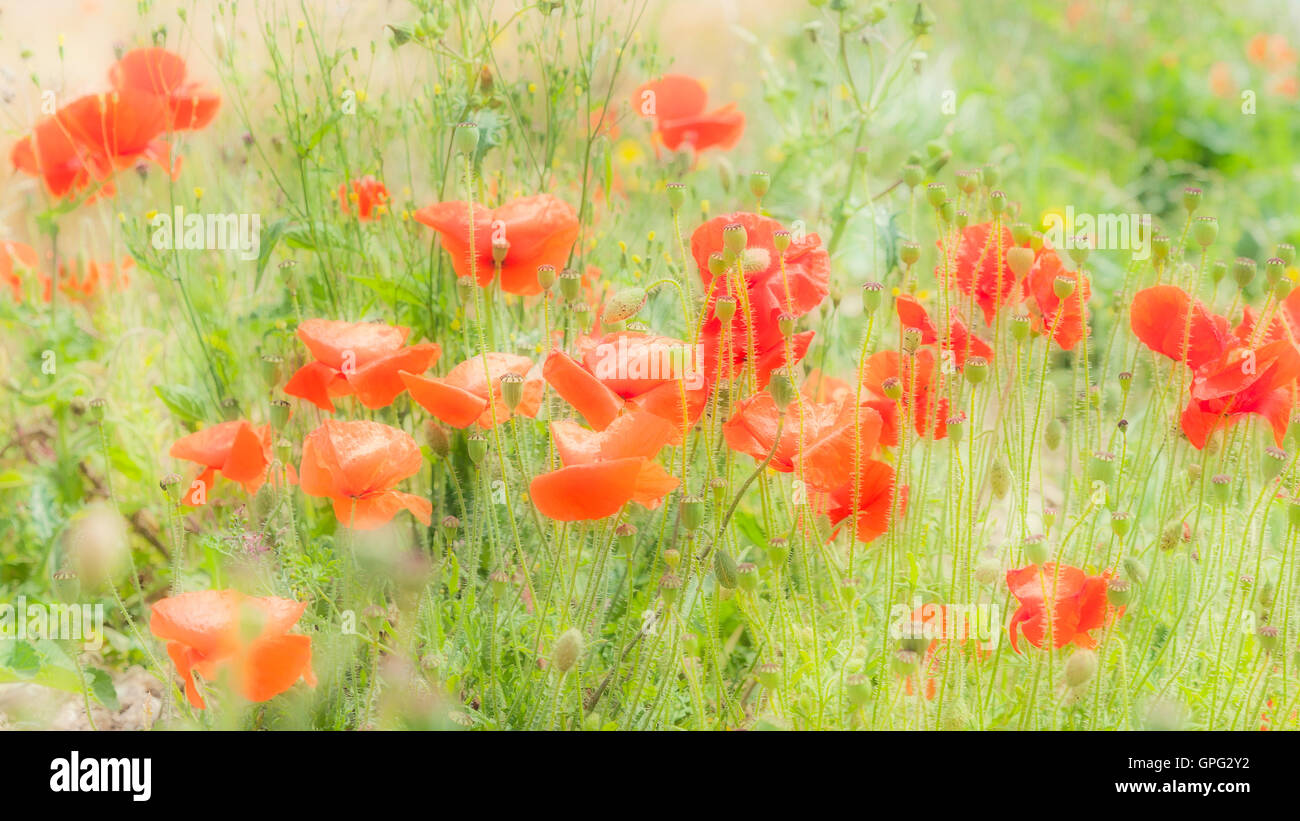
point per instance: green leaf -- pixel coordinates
(183, 401)
(101, 687)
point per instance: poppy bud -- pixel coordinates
(97, 407)
(778, 550)
(782, 390)
(170, 485)
(1286, 253)
(905, 662)
(1221, 485)
(747, 576)
(570, 284)
(759, 183)
(1274, 268)
(909, 252)
(499, 583)
(546, 276)
(1205, 230)
(1125, 380)
(279, 413)
(1243, 271)
(692, 512)
(1273, 462)
(1135, 570)
(892, 388)
(1052, 434)
(1267, 636)
(997, 202)
(1191, 198)
(625, 304)
(871, 294)
(466, 137)
(669, 586)
(734, 238)
(785, 322)
(1036, 549)
(1020, 259)
(724, 308)
(781, 241)
(976, 370)
(725, 568)
(672, 558)
(477, 446)
(676, 195)
(718, 486)
(1081, 667)
(465, 288)
(1063, 286)
(858, 688)
(1103, 467)
(568, 647)
(936, 193)
(626, 535)
(911, 339)
(768, 675)
(1119, 592)
(913, 175)
(1000, 477)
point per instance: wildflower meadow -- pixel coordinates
(649, 365)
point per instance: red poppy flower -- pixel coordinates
(161, 73)
(677, 103)
(875, 500)
(1075, 602)
(1040, 283)
(944, 633)
(238, 450)
(825, 429)
(207, 630)
(962, 343)
(361, 358)
(357, 465)
(87, 141)
(85, 278)
(15, 256)
(370, 194)
(980, 271)
(648, 372)
(461, 397)
(637, 436)
(920, 383)
(1158, 317)
(770, 289)
(539, 230)
(1243, 381)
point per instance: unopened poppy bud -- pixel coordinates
(98, 406)
(892, 388)
(1273, 462)
(1081, 667)
(785, 322)
(1063, 286)
(1286, 253)
(692, 512)
(913, 175)
(1000, 477)
(1205, 230)
(625, 304)
(546, 276)
(988, 571)
(778, 550)
(1274, 268)
(911, 339)
(1119, 592)
(477, 446)
(936, 193)
(465, 288)
(1221, 486)
(909, 252)
(976, 370)
(871, 296)
(718, 489)
(997, 202)
(905, 662)
(1020, 259)
(759, 183)
(1191, 198)
(570, 284)
(1053, 433)
(499, 250)
(1135, 570)
(1103, 467)
(1243, 271)
(725, 568)
(768, 675)
(669, 586)
(467, 138)
(626, 535)
(1020, 327)
(956, 427)
(170, 485)
(279, 413)
(676, 195)
(512, 389)
(568, 647)
(858, 688)
(747, 576)
(499, 582)
(1036, 549)
(1267, 636)
(782, 390)
(734, 238)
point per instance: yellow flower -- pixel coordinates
(198, 193)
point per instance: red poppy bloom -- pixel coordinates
(962, 343)
(637, 435)
(646, 371)
(357, 465)
(770, 289)
(980, 271)
(361, 358)
(875, 500)
(207, 630)
(1158, 317)
(1040, 283)
(238, 450)
(677, 103)
(920, 383)
(87, 141)
(944, 633)
(1243, 381)
(1074, 601)
(161, 73)
(825, 429)
(84, 278)
(461, 397)
(16, 256)
(539, 230)
(369, 193)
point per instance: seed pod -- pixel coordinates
(724, 308)
(466, 137)
(1267, 636)
(1020, 327)
(1121, 521)
(781, 241)
(570, 285)
(1191, 198)
(782, 390)
(1160, 247)
(568, 647)
(279, 413)
(1081, 667)
(997, 202)
(450, 524)
(913, 637)
(1135, 570)
(778, 550)
(1036, 549)
(1205, 230)
(759, 183)
(1273, 462)
(956, 427)
(734, 238)
(913, 175)
(1063, 286)
(909, 252)
(692, 513)
(976, 370)
(1218, 271)
(546, 276)
(905, 662)
(465, 289)
(911, 340)
(669, 586)
(1286, 253)
(1119, 592)
(1020, 260)
(499, 582)
(1000, 477)
(626, 534)
(718, 489)
(725, 568)
(512, 389)
(747, 577)
(1221, 487)
(768, 675)
(936, 193)
(676, 195)
(858, 688)
(1243, 271)
(477, 446)
(1102, 468)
